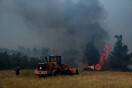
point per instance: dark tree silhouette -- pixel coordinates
(119, 58)
(92, 54)
(8, 61)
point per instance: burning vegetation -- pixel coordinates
(103, 61)
(118, 59)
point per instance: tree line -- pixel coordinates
(8, 61)
(119, 58)
(34, 52)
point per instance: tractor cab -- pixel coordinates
(55, 59)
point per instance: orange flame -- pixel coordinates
(103, 62)
(92, 67)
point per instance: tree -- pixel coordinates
(119, 58)
(92, 54)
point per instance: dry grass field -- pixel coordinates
(87, 79)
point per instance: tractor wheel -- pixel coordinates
(68, 72)
(55, 72)
(77, 72)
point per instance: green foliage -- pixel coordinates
(8, 61)
(92, 54)
(119, 58)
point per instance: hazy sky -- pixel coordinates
(118, 20)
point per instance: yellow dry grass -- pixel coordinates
(87, 79)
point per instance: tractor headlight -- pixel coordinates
(40, 67)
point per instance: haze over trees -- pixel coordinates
(34, 52)
(25, 58)
(8, 61)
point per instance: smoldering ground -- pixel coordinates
(63, 25)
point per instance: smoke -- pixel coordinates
(129, 67)
(63, 25)
(119, 20)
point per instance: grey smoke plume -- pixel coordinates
(64, 25)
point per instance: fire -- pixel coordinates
(92, 67)
(103, 62)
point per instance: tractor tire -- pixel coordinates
(55, 72)
(68, 72)
(77, 72)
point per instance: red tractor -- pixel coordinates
(53, 66)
